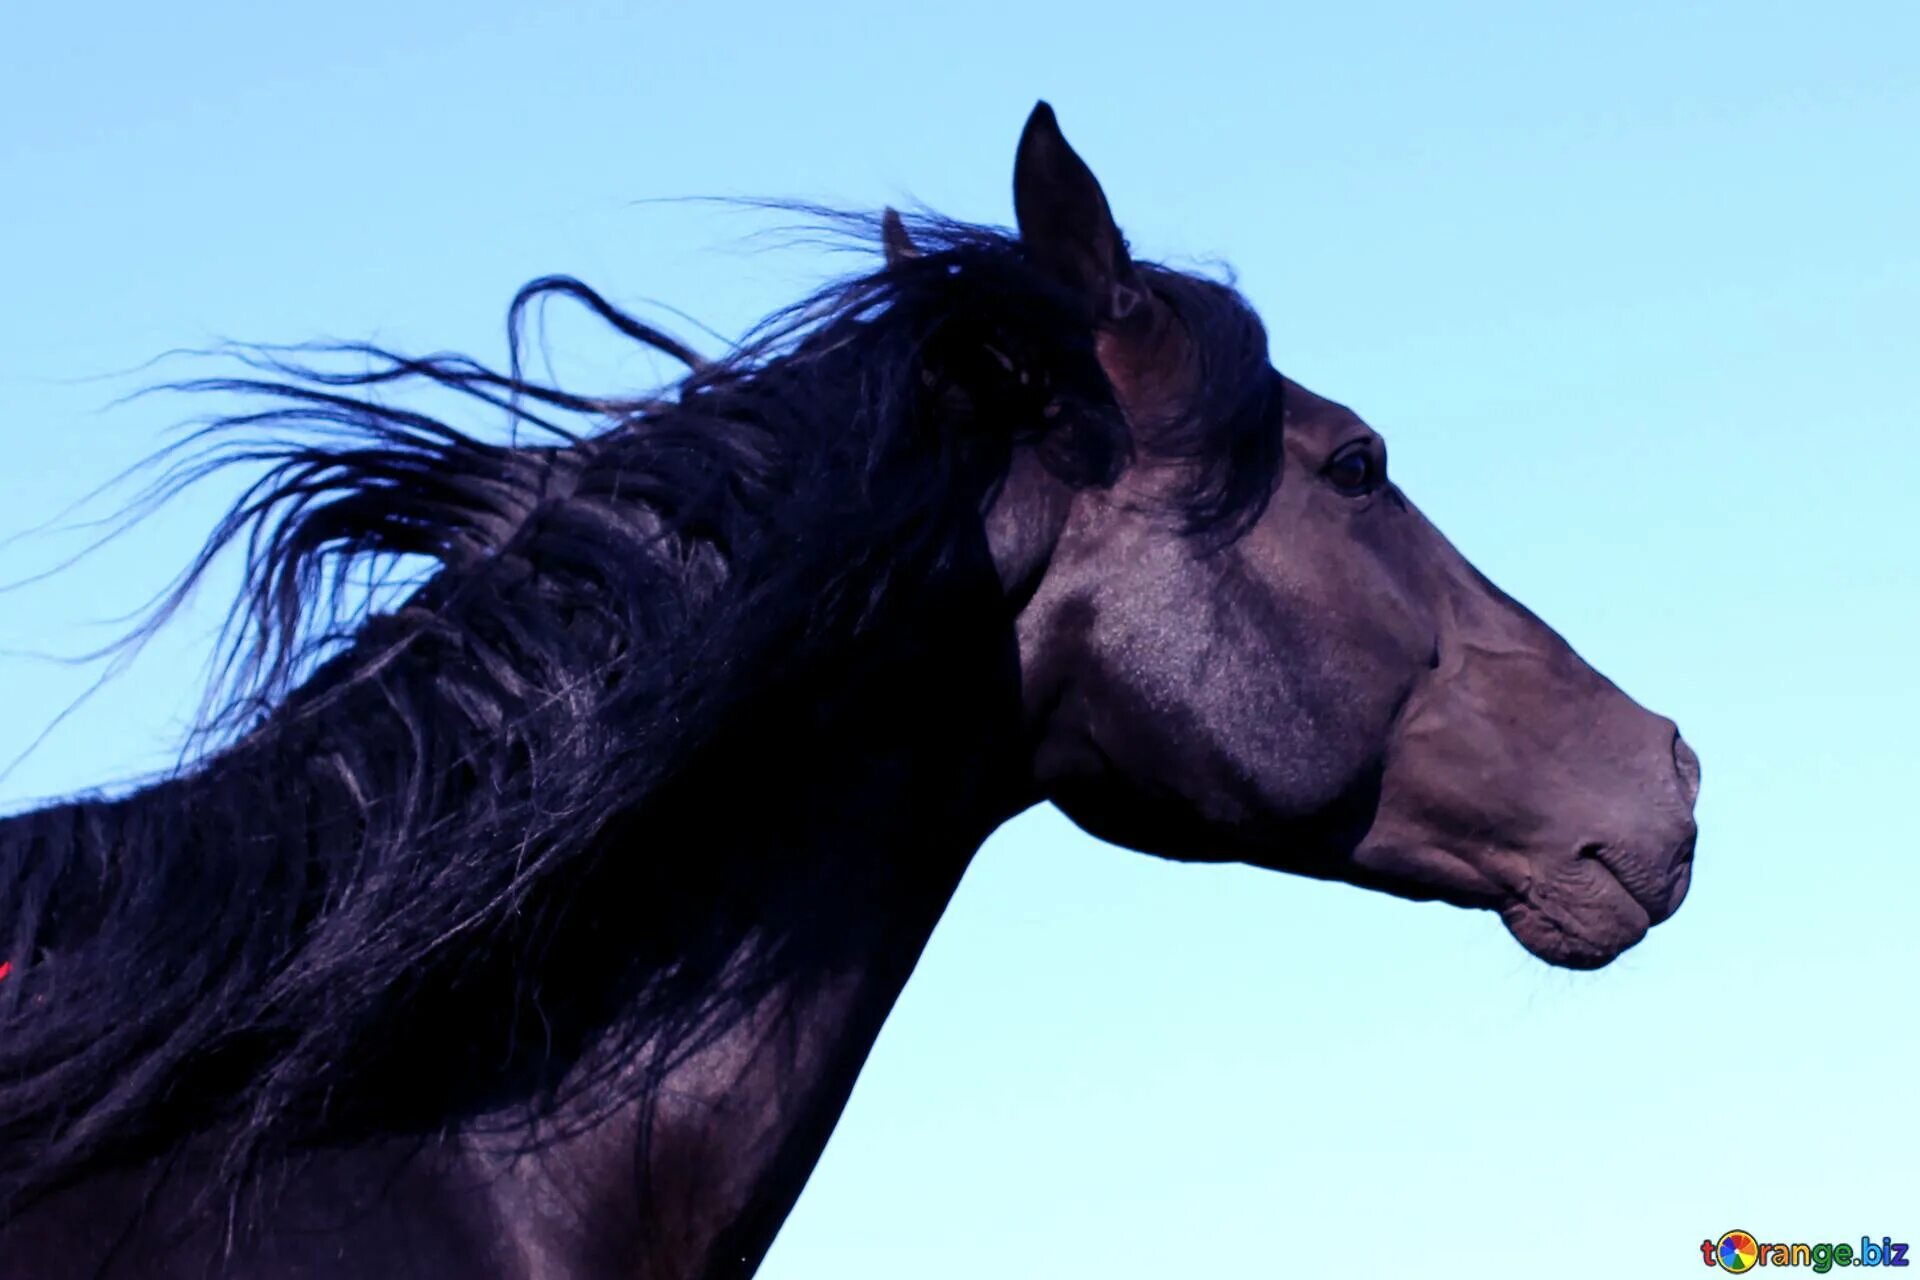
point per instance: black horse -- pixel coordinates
(538, 925)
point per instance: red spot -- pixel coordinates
(6, 967)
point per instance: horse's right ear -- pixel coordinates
(1065, 225)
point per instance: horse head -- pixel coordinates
(1314, 680)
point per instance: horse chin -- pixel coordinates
(1572, 913)
(1587, 932)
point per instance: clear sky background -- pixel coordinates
(1633, 291)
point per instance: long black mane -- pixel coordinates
(371, 902)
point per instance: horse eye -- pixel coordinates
(1353, 470)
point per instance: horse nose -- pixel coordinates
(1687, 765)
(1679, 868)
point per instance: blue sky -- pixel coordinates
(1631, 291)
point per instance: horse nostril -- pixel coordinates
(1687, 765)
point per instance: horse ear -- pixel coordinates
(894, 239)
(1066, 226)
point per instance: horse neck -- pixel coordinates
(868, 791)
(692, 1179)
(876, 819)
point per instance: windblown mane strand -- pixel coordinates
(366, 879)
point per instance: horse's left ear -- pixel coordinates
(899, 246)
(1066, 226)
